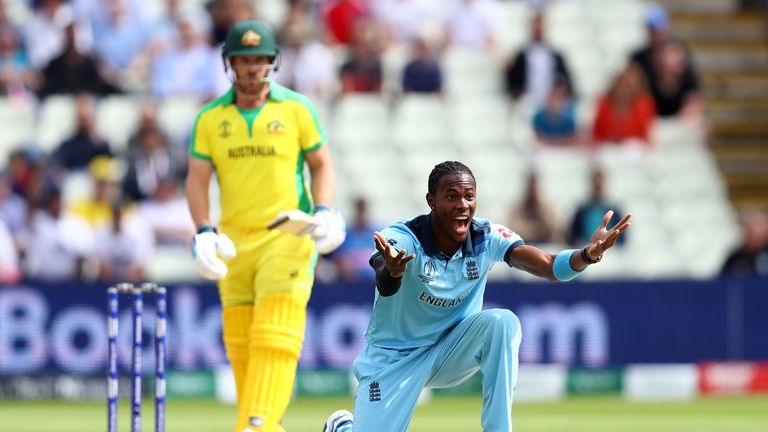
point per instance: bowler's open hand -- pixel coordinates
(602, 239)
(396, 261)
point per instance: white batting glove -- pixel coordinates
(207, 247)
(331, 231)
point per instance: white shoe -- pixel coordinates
(340, 421)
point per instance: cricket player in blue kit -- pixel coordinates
(428, 328)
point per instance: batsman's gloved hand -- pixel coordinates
(207, 246)
(331, 231)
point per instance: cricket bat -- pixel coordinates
(294, 222)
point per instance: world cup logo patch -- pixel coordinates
(429, 272)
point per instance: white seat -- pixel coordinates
(564, 177)
(171, 264)
(118, 118)
(57, 121)
(393, 63)
(360, 121)
(589, 70)
(669, 135)
(176, 116)
(516, 26)
(471, 72)
(275, 12)
(19, 127)
(76, 186)
(421, 122)
(484, 125)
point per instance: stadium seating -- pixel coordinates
(384, 146)
(19, 126)
(57, 121)
(117, 119)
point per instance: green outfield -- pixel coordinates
(442, 414)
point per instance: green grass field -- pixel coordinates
(442, 414)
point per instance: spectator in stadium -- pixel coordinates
(124, 246)
(627, 112)
(188, 68)
(341, 19)
(667, 67)
(423, 73)
(362, 72)
(167, 214)
(588, 215)
(308, 65)
(165, 32)
(25, 167)
(750, 258)
(77, 151)
(225, 13)
(60, 243)
(472, 24)
(555, 122)
(18, 79)
(46, 33)
(404, 20)
(97, 208)
(535, 70)
(73, 71)
(674, 86)
(534, 219)
(257, 136)
(428, 328)
(10, 272)
(150, 159)
(351, 258)
(13, 209)
(120, 38)
(657, 26)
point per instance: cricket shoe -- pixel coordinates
(340, 421)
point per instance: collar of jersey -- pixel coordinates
(421, 226)
(276, 92)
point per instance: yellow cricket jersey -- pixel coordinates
(258, 154)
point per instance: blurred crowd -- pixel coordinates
(134, 201)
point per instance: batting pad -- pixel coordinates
(237, 328)
(277, 332)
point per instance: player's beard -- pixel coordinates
(251, 86)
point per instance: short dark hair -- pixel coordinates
(443, 169)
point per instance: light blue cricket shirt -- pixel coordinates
(436, 292)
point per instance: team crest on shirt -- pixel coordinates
(250, 38)
(275, 127)
(471, 271)
(374, 391)
(225, 129)
(429, 272)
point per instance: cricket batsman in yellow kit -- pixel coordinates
(257, 137)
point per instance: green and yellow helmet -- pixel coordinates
(251, 38)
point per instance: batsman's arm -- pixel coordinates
(323, 176)
(198, 178)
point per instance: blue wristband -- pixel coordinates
(321, 207)
(561, 268)
(204, 228)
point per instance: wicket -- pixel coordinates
(113, 303)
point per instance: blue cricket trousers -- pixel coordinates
(391, 380)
